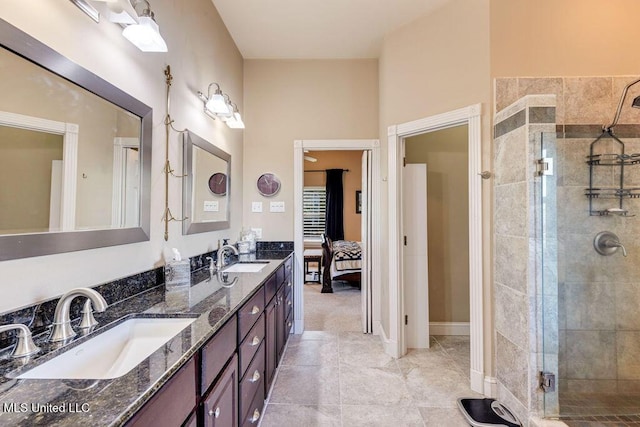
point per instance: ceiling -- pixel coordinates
(316, 29)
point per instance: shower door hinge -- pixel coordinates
(547, 382)
(544, 166)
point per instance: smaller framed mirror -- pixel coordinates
(206, 194)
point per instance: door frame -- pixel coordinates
(396, 134)
(299, 146)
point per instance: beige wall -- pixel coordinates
(564, 37)
(352, 181)
(291, 100)
(25, 166)
(200, 51)
(446, 157)
(438, 63)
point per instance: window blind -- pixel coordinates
(314, 204)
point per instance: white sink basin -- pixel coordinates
(245, 267)
(112, 353)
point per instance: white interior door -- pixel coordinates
(415, 277)
(365, 223)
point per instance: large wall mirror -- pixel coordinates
(75, 155)
(206, 189)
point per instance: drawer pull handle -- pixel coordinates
(255, 417)
(289, 324)
(256, 341)
(256, 377)
(288, 267)
(215, 414)
(255, 309)
(289, 284)
(289, 303)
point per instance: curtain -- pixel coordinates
(335, 225)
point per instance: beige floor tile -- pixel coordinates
(439, 417)
(306, 385)
(373, 386)
(311, 352)
(437, 387)
(278, 415)
(380, 416)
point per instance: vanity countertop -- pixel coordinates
(111, 402)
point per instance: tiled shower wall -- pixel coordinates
(598, 321)
(518, 133)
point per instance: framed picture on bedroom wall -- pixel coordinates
(358, 201)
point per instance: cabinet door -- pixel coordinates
(173, 403)
(221, 405)
(280, 319)
(270, 341)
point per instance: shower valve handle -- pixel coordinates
(607, 243)
(615, 244)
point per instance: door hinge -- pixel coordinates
(404, 161)
(406, 319)
(547, 382)
(544, 166)
(405, 240)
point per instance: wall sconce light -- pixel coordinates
(121, 12)
(218, 105)
(145, 35)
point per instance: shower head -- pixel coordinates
(636, 104)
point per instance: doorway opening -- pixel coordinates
(368, 150)
(469, 116)
(341, 311)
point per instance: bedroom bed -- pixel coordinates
(342, 261)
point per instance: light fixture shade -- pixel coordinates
(217, 104)
(145, 35)
(121, 12)
(235, 122)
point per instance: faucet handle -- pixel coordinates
(24, 346)
(88, 321)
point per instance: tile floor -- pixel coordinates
(337, 376)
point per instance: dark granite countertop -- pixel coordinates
(111, 402)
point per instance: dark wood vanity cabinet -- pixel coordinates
(279, 319)
(226, 382)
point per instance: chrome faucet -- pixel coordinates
(220, 262)
(62, 329)
(24, 346)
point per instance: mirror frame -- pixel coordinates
(38, 244)
(188, 227)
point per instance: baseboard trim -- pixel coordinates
(491, 387)
(449, 328)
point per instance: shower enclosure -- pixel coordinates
(581, 287)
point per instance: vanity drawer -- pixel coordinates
(221, 405)
(280, 276)
(250, 313)
(270, 288)
(173, 403)
(217, 352)
(288, 268)
(288, 324)
(252, 418)
(251, 344)
(288, 304)
(252, 383)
